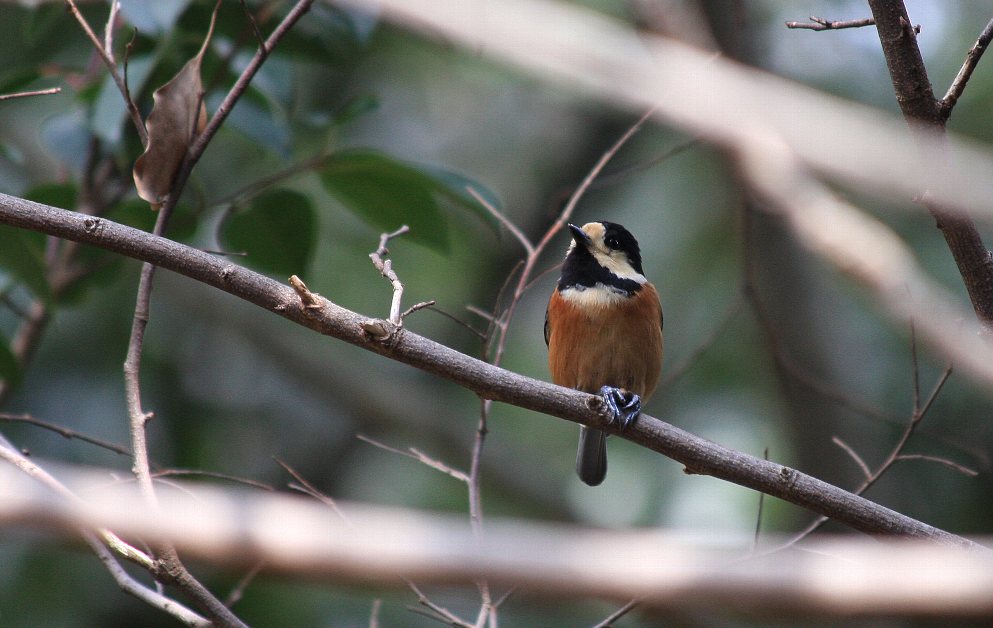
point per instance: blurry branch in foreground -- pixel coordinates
(297, 304)
(378, 545)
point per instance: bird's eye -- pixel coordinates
(612, 243)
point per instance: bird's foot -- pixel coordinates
(625, 406)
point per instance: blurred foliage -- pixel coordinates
(354, 127)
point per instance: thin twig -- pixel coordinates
(255, 26)
(895, 454)
(442, 612)
(821, 24)
(165, 473)
(311, 490)
(36, 92)
(385, 268)
(624, 172)
(234, 94)
(239, 589)
(621, 612)
(65, 432)
(108, 29)
(761, 510)
(415, 307)
(866, 472)
(972, 58)
(108, 60)
(944, 461)
(730, 312)
(506, 222)
(419, 456)
(458, 321)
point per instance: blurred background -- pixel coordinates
(768, 350)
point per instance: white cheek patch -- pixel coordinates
(619, 267)
(598, 296)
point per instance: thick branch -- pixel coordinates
(697, 454)
(924, 114)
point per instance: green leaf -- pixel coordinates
(22, 255)
(278, 232)
(61, 195)
(454, 187)
(10, 370)
(387, 194)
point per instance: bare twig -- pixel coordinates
(63, 431)
(608, 621)
(108, 60)
(310, 489)
(419, 456)
(761, 510)
(385, 268)
(36, 92)
(506, 222)
(624, 172)
(239, 589)
(972, 58)
(108, 29)
(732, 310)
(166, 473)
(423, 305)
(895, 455)
(821, 24)
(964, 470)
(863, 467)
(440, 612)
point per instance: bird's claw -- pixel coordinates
(625, 406)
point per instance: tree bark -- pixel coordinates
(923, 113)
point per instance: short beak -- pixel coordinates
(580, 236)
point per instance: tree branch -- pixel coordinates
(374, 544)
(965, 72)
(925, 116)
(490, 382)
(821, 24)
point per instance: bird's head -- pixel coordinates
(606, 245)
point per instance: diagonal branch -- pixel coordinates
(924, 114)
(106, 55)
(965, 72)
(488, 381)
(169, 565)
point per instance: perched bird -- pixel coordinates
(603, 328)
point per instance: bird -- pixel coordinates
(603, 329)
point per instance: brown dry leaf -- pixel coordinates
(178, 116)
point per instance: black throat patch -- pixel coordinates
(581, 270)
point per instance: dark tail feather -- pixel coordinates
(591, 460)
